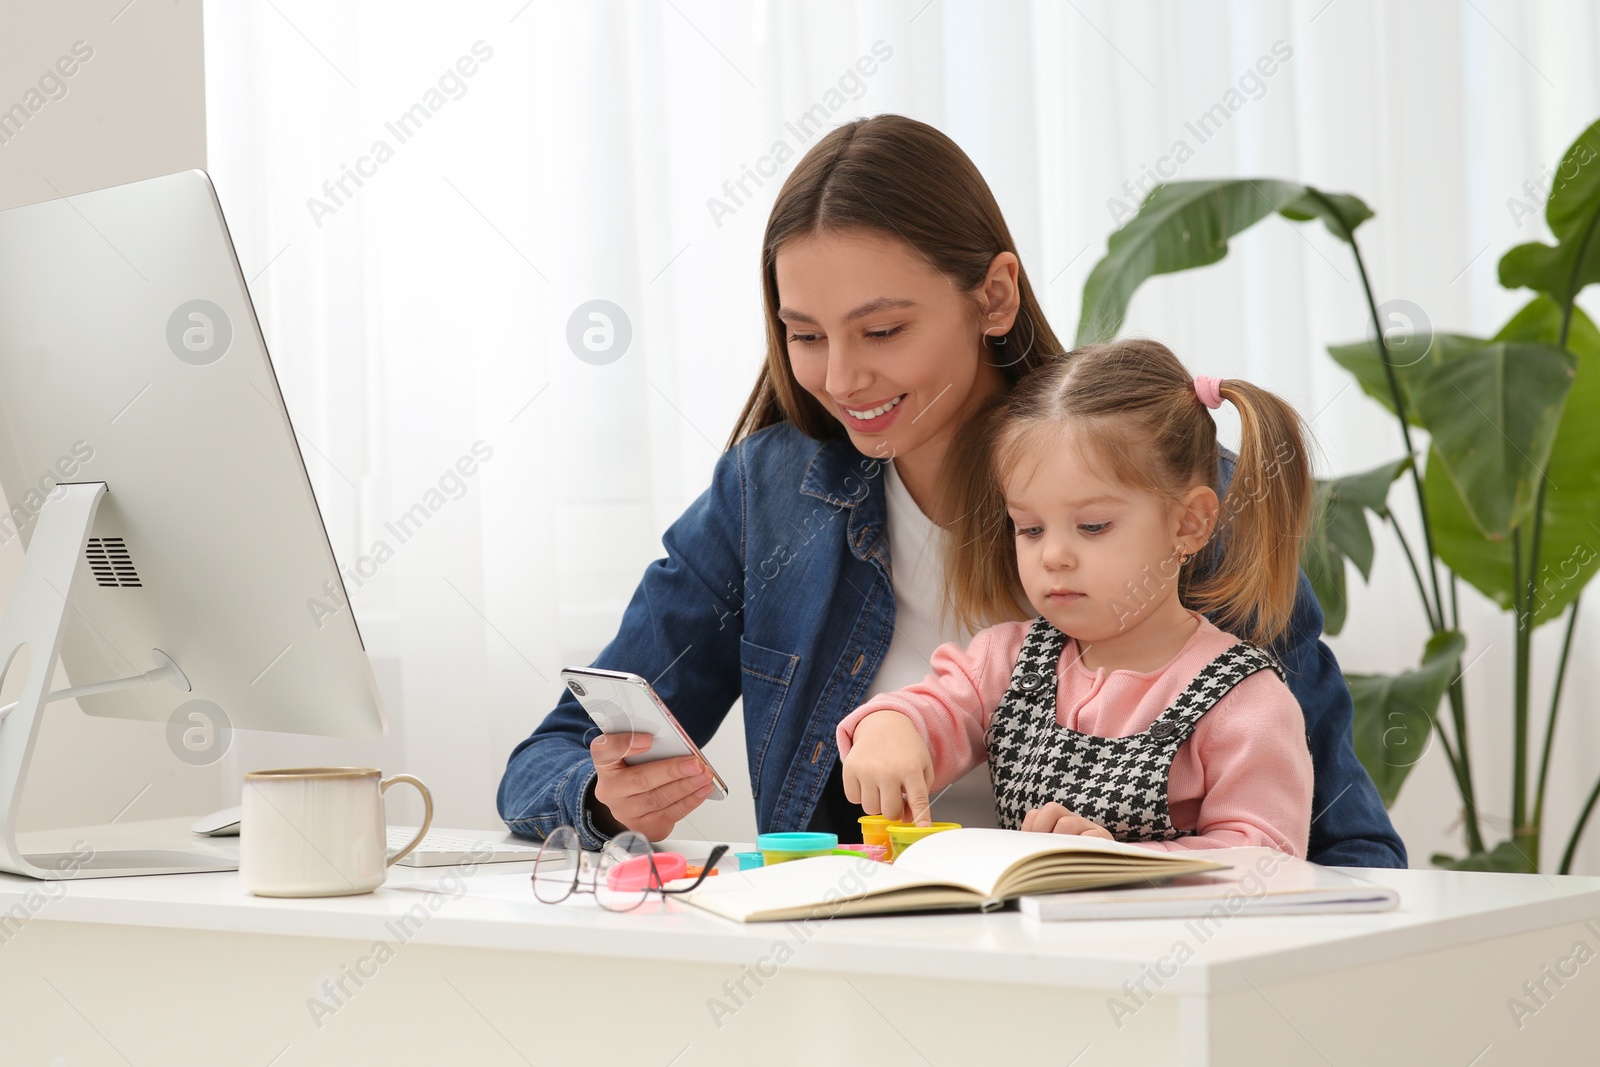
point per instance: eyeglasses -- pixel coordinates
(626, 871)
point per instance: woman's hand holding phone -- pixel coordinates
(888, 760)
(648, 797)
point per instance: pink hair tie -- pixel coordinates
(1209, 390)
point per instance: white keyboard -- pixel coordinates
(447, 848)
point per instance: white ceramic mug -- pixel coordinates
(319, 831)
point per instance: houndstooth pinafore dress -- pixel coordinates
(1118, 782)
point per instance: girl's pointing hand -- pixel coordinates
(889, 770)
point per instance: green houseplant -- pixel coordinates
(1500, 444)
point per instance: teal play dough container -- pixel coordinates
(749, 860)
(795, 845)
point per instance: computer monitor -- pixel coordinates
(175, 551)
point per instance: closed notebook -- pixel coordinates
(967, 868)
(1258, 881)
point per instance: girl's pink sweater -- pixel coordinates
(1243, 777)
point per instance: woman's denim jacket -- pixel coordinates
(775, 587)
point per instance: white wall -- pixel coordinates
(135, 108)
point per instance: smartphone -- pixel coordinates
(623, 703)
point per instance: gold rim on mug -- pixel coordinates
(315, 772)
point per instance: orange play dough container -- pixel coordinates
(875, 830)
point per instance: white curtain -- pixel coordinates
(425, 197)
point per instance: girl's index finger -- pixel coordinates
(917, 804)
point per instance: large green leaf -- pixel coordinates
(1394, 713)
(1409, 353)
(1341, 533)
(1483, 563)
(1349, 499)
(1493, 415)
(1188, 224)
(1568, 554)
(1573, 212)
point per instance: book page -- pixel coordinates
(818, 882)
(980, 858)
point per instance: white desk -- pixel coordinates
(188, 969)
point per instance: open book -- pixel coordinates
(1259, 881)
(967, 868)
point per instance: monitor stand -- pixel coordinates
(36, 619)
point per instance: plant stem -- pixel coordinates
(1525, 627)
(1435, 612)
(1469, 799)
(1449, 750)
(1577, 831)
(1519, 755)
(1416, 573)
(1405, 427)
(1572, 620)
(1457, 762)
(1555, 704)
(1457, 692)
(1458, 718)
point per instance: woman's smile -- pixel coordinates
(873, 418)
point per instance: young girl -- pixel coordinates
(1120, 711)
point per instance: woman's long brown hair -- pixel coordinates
(903, 179)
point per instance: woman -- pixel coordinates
(897, 312)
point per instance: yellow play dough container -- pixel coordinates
(904, 834)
